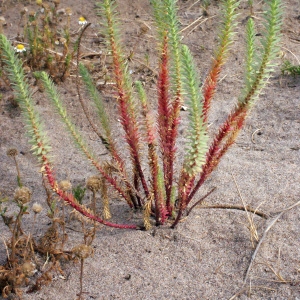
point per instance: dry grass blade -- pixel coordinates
(276, 271)
(292, 54)
(251, 227)
(271, 280)
(190, 25)
(249, 288)
(5, 245)
(265, 234)
(272, 223)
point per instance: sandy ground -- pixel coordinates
(207, 255)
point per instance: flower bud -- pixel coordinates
(22, 195)
(82, 251)
(29, 269)
(93, 183)
(12, 152)
(65, 185)
(37, 208)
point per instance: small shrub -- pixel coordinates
(158, 191)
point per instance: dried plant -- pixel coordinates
(24, 255)
(46, 43)
(82, 252)
(13, 153)
(159, 191)
(20, 247)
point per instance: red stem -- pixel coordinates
(160, 210)
(164, 112)
(228, 131)
(171, 144)
(185, 188)
(69, 198)
(113, 182)
(128, 120)
(209, 87)
(168, 120)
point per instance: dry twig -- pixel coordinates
(238, 207)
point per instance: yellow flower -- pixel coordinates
(20, 48)
(82, 21)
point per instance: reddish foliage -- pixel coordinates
(69, 198)
(223, 140)
(209, 87)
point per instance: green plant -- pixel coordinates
(78, 193)
(288, 68)
(159, 191)
(49, 40)
(205, 5)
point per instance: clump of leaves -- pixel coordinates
(79, 192)
(289, 69)
(160, 192)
